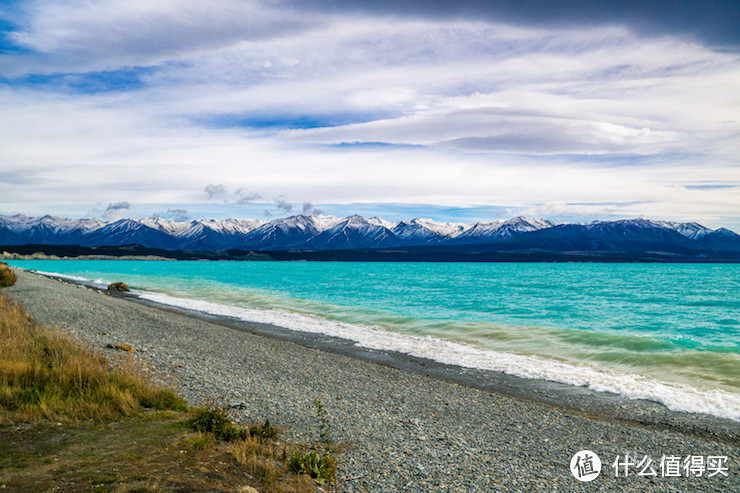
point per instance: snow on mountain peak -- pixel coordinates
(426, 227)
(527, 224)
(382, 222)
(690, 230)
(165, 225)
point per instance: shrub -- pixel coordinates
(216, 420)
(7, 277)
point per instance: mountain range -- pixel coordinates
(681, 241)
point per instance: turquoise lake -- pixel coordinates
(665, 332)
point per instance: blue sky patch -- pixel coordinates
(283, 121)
(127, 79)
(708, 187)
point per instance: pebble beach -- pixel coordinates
(401, 429)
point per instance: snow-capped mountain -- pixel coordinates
(49, 229)
(129, 232)
(288, 232)
(501, 230)
(355, 232)
(171, 228)
(318, 233)
(689, 230)
(423, 231)
(204, 234)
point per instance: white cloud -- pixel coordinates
(96, 35)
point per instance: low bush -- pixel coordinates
(7, 277)
(216, 420)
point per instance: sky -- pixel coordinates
(457, 111)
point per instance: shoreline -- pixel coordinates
(580, 400)
(586, 402)
(541, 401)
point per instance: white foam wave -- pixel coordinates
(677, 397)
(62, 276)
(77, 279)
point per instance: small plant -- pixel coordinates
(216, 420)
(323, 420)
(264, 431)
(322, 469)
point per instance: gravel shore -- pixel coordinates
(404, 431)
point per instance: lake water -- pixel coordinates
(664, 332)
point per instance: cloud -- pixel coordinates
(309, 209)
(178, 215)
(94, 36)
(117, 206)
(213, 190)
(245, 197)
(558, 209)
(522, 129)
(714, 21)
(116, 210)
(284, 206)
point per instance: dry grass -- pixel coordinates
(266, 460)
(7, 277)
(255, 447)
(45, 374)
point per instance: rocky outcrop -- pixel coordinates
(118, 287)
